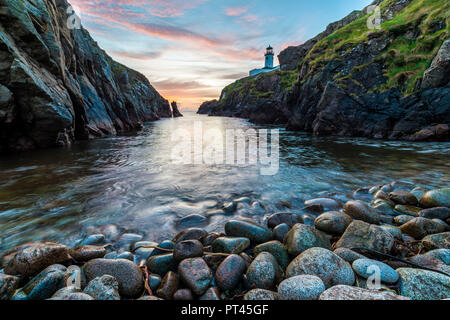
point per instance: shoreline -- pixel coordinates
(404, 230)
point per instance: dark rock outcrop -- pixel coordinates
(175, 112)
(57, 85)
(385, 83)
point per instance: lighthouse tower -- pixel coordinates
(269, 58)
(268, 66)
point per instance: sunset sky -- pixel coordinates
(190, 50)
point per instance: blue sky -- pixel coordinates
(190, 50)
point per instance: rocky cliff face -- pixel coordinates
(57, 85)
(390, 82)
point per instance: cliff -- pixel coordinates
(391, 82)
(58, 86)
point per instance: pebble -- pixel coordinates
(348, 255)
(343, 292)
(394, 231)
(302, 237)
(364, 235)
(420, 227)
(128, 275)
(169, 285)
(275, 248)
(230, 272)
(183, 295)
(442, 213)
(253, 231)
(367, 268)
(360, 210)
(441, 254)
(263, 272)
(327, 204)
(333, 222)
(304, 287)
(187, 249)
(420, 284)
(436, 198)
(213, 261)
(290, 219)
(161, 264)
(86, 253)
(280, 232)
(105, 287)
(230, 245)
(190, 234)
(94, 239)
(408, 210)
(127, 240)
(46, 283)
(154, 281)
(382, 207)
(79, 296)
(196, 274)
(125, 255)
(31, 260)
(403, 197)
(166, 244)
(437, 241)
(8, 286)
(212, 294)
(324, 264)
(400, 220)
(261, 295)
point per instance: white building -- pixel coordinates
(268, 67)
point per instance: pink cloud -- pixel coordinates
(235, 11)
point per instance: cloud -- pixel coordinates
(235, 11)
(179, 85)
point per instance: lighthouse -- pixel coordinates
(268, 65)
(269, 58)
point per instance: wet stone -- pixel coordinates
(403, 197)
(230, 245)
(436, 198)
(161, 264)
(167, 245)
(95, 239)
(342, 292)
(418, 228)
(31, 260)
(183, 295)
(263, 272)
(128, 239)
(440, 254)
(255, 232)
(437, 241)
(128, 275)
(408, 210)
(324, 264)
(187, 249)
(290, 219)
(348, 255)
(420, 284)
(230, 272)
(105, 287)
(154, 281)
(304, 287)
(86, 253)
(275, 248)
(190, 234)
(212, 294)
(196, 274)
(302, 237)
(400, 220)
(333, 222)
(261, 295)
(169, 286)
(8, 286)
(365, 268)
(75, 296)
(213, 261)
(360, 210)
(442, 213)
(280, 232)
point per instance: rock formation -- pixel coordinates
(391, 82)
(175, 112)
(58, 86)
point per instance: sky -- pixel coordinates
(191, 49)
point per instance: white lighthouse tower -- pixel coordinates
(268, 66)
(269, 58)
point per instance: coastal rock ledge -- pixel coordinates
(58, 86)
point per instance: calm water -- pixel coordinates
(131, 181)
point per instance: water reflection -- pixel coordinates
(130, 180)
